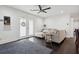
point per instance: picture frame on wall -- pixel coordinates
(7, 23)
(6, 20)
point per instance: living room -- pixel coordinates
(57, 22)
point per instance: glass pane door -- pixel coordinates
(22, 27)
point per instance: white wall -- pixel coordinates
(60, 22)
(76, 21)
(38, 24)
(13, 33)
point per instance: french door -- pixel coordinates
(23, 27)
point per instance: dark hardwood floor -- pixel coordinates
(66, 47)
(25, 46)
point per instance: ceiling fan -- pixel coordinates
(41, 9)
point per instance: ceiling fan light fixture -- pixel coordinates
(41, 9)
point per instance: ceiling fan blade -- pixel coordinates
(44, 11)
(40, 7)
(47, 8)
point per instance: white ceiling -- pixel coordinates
(55, 9)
